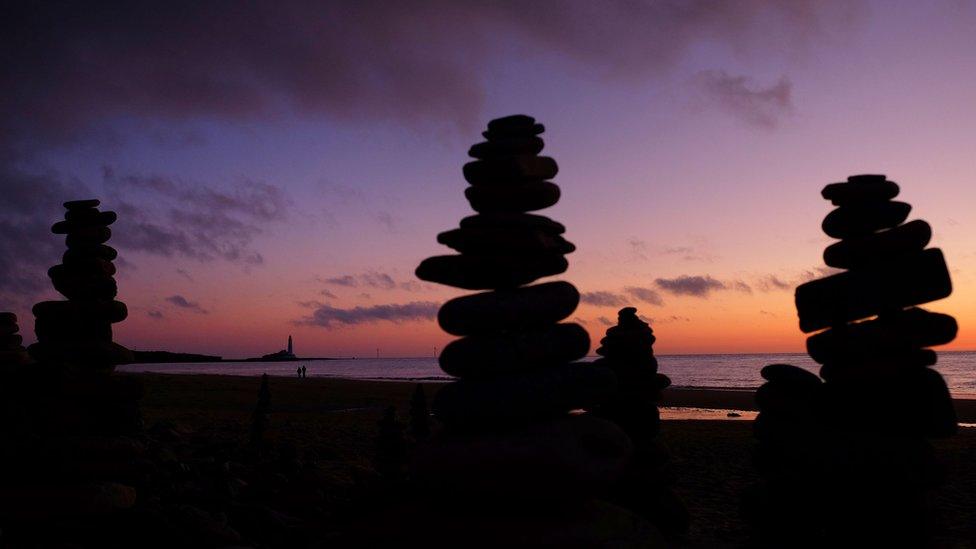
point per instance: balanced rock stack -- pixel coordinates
(78, 333)
(628, 351)
(74, 455)
(12, 352)
(508, 435)
(879, 401)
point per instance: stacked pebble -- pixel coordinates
(628, 351)
(78, 333)
(12, 352)
(508, 435)
(864, 429)
(87, 461)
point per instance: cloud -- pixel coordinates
(760, 107)
(328, 294)
(327, 316)
(581, 321)
(184, 274)
(697, 286)
(155, 315)
(740, 286)
(638, 248)
(606, 321)
(603, 299)
(184, 303)
(770, 283)
(645, 295)
(371, 279)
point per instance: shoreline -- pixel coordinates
(713, 398)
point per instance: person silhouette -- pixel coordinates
(304, 372)
(299, 371)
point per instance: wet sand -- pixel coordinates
(334, 421)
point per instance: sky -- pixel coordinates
(282, 167)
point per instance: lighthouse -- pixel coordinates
(290, 350)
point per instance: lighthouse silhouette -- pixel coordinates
(290, 350)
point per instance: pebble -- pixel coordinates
(868, 189)
(81, 204)
(540, 393)
(513, 221)
(88, 236)
(510, 170)
(83, 253)
(494, 354)
(526, 197)
(867, 368)
(488, 241)
(865, 292)
(534, 129)
(527, 145)
(526, 308)
(864, 219)
(80, 311)
(512, 122)
(476, 272)
(879, 247)
(789, 375)
(891, 333)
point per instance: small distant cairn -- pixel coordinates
(628, 351)
(261, 415)
(88, 462)
(851, 454)
(512, 465)
(419, 415)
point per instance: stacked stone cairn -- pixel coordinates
(628, 351)
(73, 459)
(12, 352)
(851, 454)
(512, 463)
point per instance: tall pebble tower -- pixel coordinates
(509, 445)
(628, 350)
(72, 455)
(870, 464)
(12, 352)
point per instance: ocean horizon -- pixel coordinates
(729, 371)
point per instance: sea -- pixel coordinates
(732, 371)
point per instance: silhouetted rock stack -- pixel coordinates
(73, 455)
(508, 436)
(869, 464)
(628, 351)
(12, 351)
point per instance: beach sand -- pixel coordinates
(334, 421)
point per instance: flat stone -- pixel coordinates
(879, 247)
(890, 334)
(513, 221)
(573, 456)
(860, 190)
(14, 341)
(534, 129)
(96, 354)
(876, 367)
(91, 266)
(625, 346)
(499, 240)
(510, 170)
(512, 122)
(75, 286)
(75, 225)
(82, 311)
(527, 145)
(91, 216)
(475, 272)
(88, 236)
(86, 253)
(494, 354)
(864, 219)
(55, 329)
(525, 197)
(517, 397)
(516, 309)
(81, 204)
(790, 375)
(861, 293)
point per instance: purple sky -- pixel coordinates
(283, 169)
